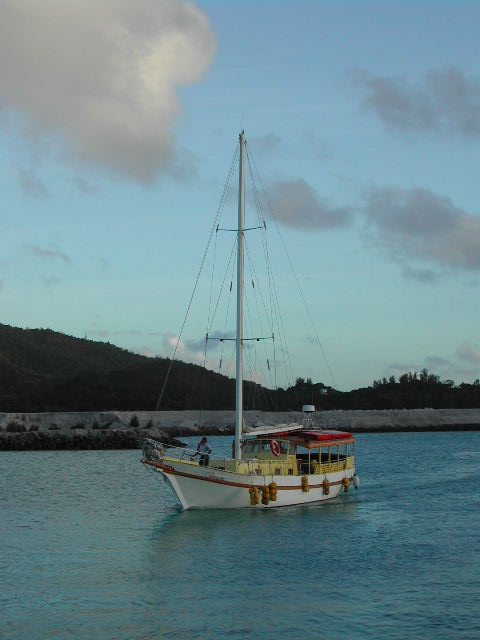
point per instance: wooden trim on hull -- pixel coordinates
(169, 470)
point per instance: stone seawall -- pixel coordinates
(126, 429)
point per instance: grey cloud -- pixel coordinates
(421, 275)
(213, 343)
(437, 361)
(446, 100)
(31, 185)
(47, 254)
(265, 144)
(85, 187)
(446, 367)
(468, 353)
(467, 373)
(296, 204)
(196, 345)
(423, 226)
(184, 166)
(320, 149)
(402, 367)
(51, 281)
(104, 76)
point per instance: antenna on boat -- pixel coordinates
(240, 266)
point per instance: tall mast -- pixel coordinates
(239, 350)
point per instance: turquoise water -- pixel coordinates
(92, 546)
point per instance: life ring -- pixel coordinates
(275, 447)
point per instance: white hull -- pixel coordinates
(208, 488)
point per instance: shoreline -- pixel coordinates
(127, 429)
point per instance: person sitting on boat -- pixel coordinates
(203, 450)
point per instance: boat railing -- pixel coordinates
(154, 451)
(162, 450)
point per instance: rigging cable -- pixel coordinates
(294, 273)
(212, 231)
(275, 305)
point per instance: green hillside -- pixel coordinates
(43, 370)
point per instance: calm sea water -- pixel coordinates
(93, 546)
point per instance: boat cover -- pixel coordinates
(321, 435)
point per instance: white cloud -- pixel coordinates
(146, 351)
(103, 74)
(183, 352)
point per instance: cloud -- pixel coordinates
(183, 168)
(402, 367)
(85, 187)
(320, 149)
(446, 100)
(296, 204)
(51, 281)
(213, 343)
(468, 353)
(421, 275)
(104, 75)
(146, 351)
(419, 224)
(266, 143)
(31, 185)
(446, 367)
(47, 254)
(169, 343)
(437, 362)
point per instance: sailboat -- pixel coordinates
(282, 465)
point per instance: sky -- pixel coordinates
(119, 120)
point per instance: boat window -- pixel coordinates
(283, 447)
(262, 449)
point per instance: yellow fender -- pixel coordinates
(346, 484)
(253, 495)
(273, 491)
(305, 485)
(326, 487)
(265, 495)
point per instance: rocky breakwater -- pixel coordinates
(127, 429)
(74, 431)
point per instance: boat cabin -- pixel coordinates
(299, 453)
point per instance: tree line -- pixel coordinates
(43, 370)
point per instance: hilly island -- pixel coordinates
(45, 375)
